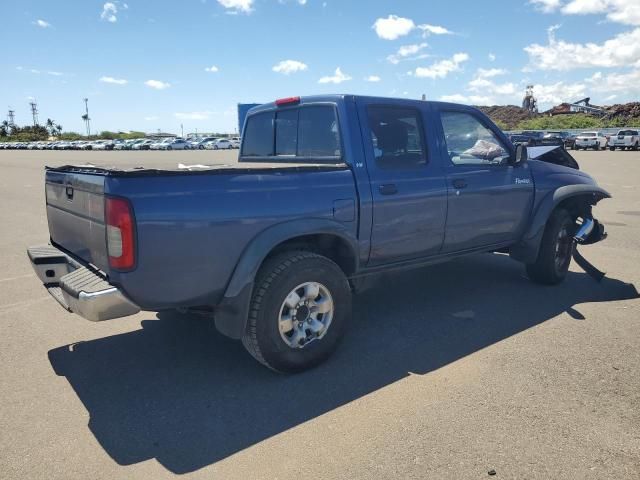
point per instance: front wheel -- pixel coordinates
(555, 252)
(299, 309)
(613, 149)
(636, 146)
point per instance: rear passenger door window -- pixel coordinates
(397, 138)
(469, 142)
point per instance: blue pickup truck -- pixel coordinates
(327, 192)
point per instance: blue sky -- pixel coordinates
(147, 65)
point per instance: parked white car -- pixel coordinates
(595, 140)
(221, 144)
(625, 139)
(142, 145)
(159, 144)
(174, 144)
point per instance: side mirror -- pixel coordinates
(521, 155)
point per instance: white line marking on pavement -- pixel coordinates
(17, 278)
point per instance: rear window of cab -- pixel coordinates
(307, 133)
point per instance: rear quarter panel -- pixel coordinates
(192, 229)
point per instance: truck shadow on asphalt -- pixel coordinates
(178, 392)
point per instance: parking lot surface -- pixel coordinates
(449, 371)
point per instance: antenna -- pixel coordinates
(34, 112)
(85, 117)
(11, 117)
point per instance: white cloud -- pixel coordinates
(393, 27)
(337, 78)
(151, 118)
(109, 12)
(621, 50)
(288, 67)
(492, 57)
(546, 6)
(406, 52)
(470, 99)
(372, 79)
(442, 68)
(157, 84)
(618, 11)
(193, 115)
(237, 6)
(434, 30)
(559, 92)
(212, 69)
(481, 83)
(34, 70)
(55, 74)
(42, 23)
(115, 81)
(624, 83)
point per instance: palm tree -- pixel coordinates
(58, 130)
(50, 125)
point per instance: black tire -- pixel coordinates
(554, 256)
(276, 279)
(613, 149)
(635, 147)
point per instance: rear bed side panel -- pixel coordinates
(192, 229)
(75, 214)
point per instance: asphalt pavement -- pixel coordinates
(449, 372)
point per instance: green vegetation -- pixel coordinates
(14, 133)
(576, 121)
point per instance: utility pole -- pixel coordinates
(85, 117)
(11, 117)
(181, 131)
(34, 112)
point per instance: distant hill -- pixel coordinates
(512, 117)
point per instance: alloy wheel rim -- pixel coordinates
(305, 315)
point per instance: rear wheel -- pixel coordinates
(613, 149)
(299, 309)
(635, 147)
(556, 248)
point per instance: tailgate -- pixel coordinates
(75, 213)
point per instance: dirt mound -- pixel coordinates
(626, 111)
(507, 116)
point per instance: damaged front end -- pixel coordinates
(589, 232)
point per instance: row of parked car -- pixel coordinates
(624, 139)
(169, 143)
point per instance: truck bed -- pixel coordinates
(191, 224)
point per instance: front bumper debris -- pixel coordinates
(79, 288)
(591, 231)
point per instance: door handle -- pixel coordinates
(459, 183)
(388, 189)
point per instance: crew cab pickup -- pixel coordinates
(625, 139)
(327, 192)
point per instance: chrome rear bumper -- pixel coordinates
(79, 289)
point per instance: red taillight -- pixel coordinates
(287, 101)
(120, 235)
